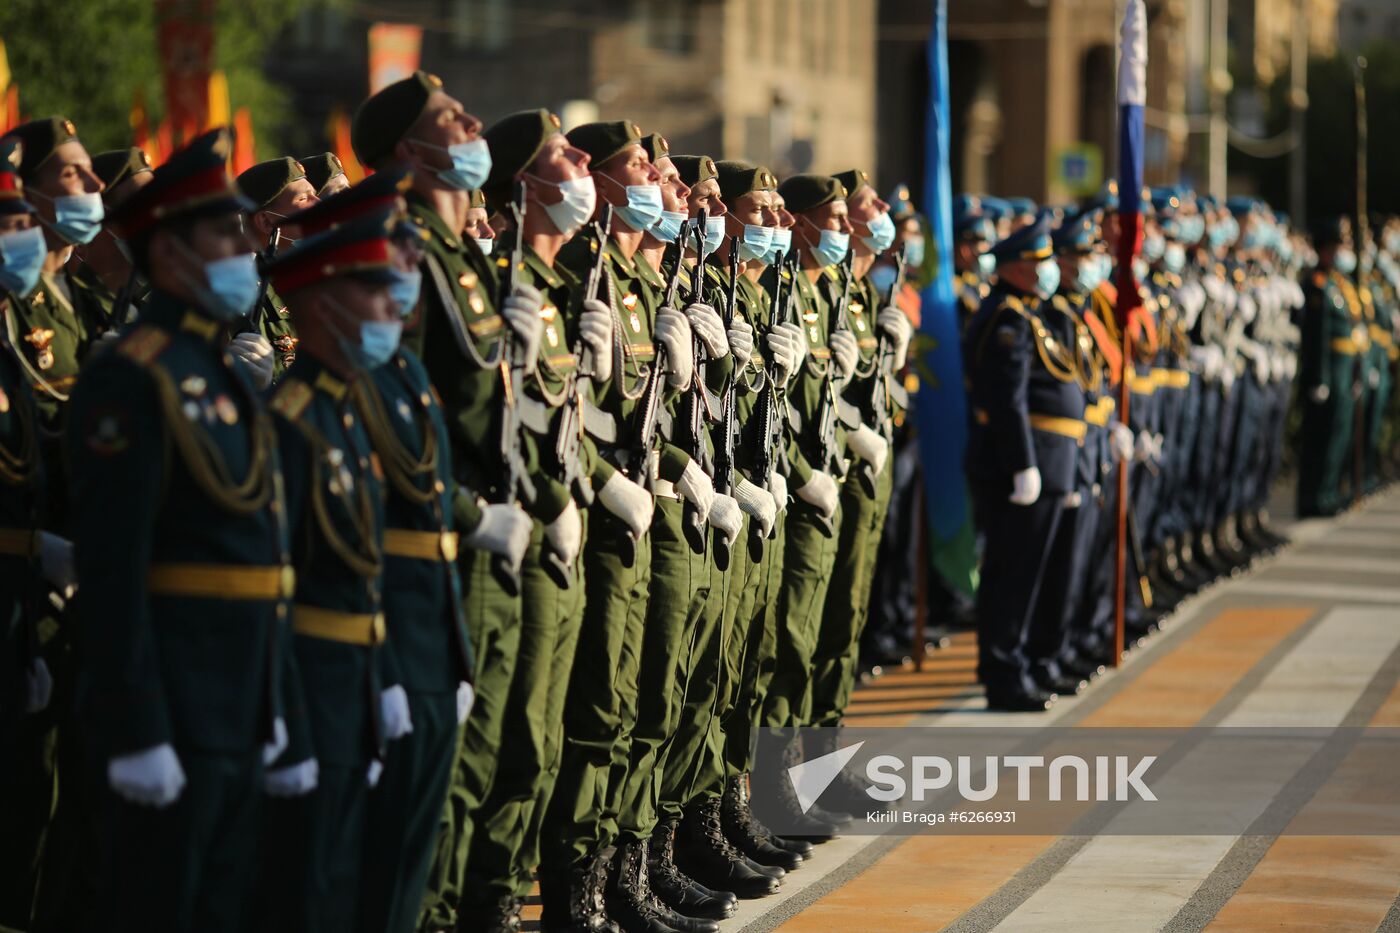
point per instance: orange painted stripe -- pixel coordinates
(929, 881)
(1324, 883)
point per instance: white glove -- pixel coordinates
(566, 533)
(522, 312)
(673, 332)
(897, 324)
(784, 354)
(865, 443)
(1025, 486)
(777, 485)
(1373, 379)
(393, 707)
(1121, 437)
(709, 329)
(38, 687)
(1319, 393)
(821, 493)
(629, 502)
(595, 329)
(278, 744)
(1142, 451)
(697, 489)
(504, 530)
(56, 563)
(758, 504)
(726, 516)
(254, 351)
(152, 778)
(844, 353)
(466, 698)
(293, 780)
(740, 335)
(1227, 376)
(372, 774)
(798, 341)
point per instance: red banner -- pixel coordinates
(395, 50)
(185, 37)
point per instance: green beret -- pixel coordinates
(11, 187)
(478, 199)
(853, 180)
(737, 178)
(320, 169)
(656, 146)
(382, 120)
(515, 141)
(41, 138)
(262, 183)
(117, 165)
(805, 192)
(694, 169)
(602, 141)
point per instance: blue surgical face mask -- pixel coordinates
(1047, 277)
(881, 233)
(882, 277)
(379, 340)
(77, 218)
(1090, 274)
(230, 287)
(914, 252)
(782, 242)
(580, 199)
(1152, 248)
(1344, 261)
(643, 207)
(714, 234)
(756, 243)
(831, 247)
(485, 244)
(986, 264)
(471, 164)
(1218, 235)
(668, 226)
(404, 290)
(1174, 258)
(21, 260)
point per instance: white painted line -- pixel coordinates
(1323, 592)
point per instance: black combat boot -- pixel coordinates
(741, 830)
(678, 891)
(795, 755)
(843, 796)
(703, 853)
(628, 899)
(501, 915)
(773, 793)
(572, 899)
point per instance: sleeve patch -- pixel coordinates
(107, 432)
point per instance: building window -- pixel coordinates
(319, 29)
(668, 25)
(481, 25)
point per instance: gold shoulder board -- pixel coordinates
(291, 399)
(144, 344)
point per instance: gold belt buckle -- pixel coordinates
(287, 584)
(448, 544)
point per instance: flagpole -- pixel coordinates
(1132, 98)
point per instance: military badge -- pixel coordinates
(107, 435)
(467, 279)
(40, 338)
(404, 411)
(226, 409)
(191, 409)
(193, 385)
(4, 402)
(476, 304)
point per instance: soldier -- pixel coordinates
(184, 561)
(531, 157)
(478, 225)
(462, 331)
(279, 188)
(973, 264)
(105, 267)
(816, 463)
(1334, 336)
(325, 174)
(1027, 420)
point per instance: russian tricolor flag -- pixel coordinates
(1132, 98)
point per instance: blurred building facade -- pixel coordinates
(1361, 22)
(788, 82)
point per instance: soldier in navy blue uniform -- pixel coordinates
(1027, 424)
(338, 287)
(973, 265)
(183, 553)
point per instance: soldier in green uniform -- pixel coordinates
(325, 174)
(1334, 337)
(602, 701)
(882, 333)
(530, 155)
(338, 286)
(279, 188)
(461, 331)
(183, 551)
(815, 455)
(105, 266)
(29, 559)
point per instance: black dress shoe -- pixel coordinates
(1019, 701)
(1064, 685)
(1083, 668)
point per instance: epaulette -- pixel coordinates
(291, 398)
(143, 344)
(832, 273)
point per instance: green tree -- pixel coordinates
(87, 59)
